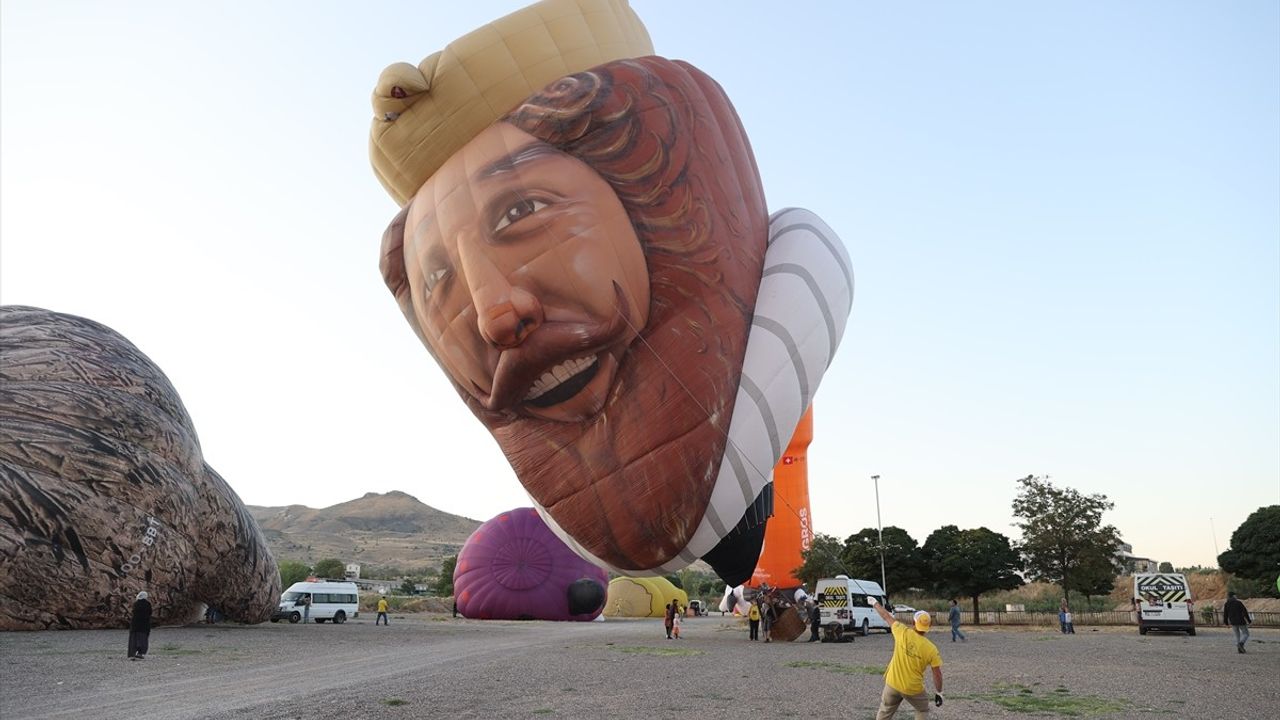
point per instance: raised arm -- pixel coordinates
(875, 605)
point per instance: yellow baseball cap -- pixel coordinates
(923, 621)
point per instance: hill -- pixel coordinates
(391, 530)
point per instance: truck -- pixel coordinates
(843, 607)
(1162, 601)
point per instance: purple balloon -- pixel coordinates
(514, 568)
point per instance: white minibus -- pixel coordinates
(1162, 601)
(334, 601)
(842, 602)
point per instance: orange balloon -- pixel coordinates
(790, 530)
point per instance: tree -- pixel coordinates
(408, 588)
(1096, 574)
(971, 562)
(1166, 567)
(944, 560)
(292, 571)
(700, 584)
(1255, 550)
(688, 582)
(821, 560)
(1062, 531)
(444, 584)
(903, 564)
(331, 568)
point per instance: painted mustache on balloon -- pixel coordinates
(555, 361)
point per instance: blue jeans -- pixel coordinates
(955, 632)
(1242, 633)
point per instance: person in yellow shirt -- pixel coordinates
(382, 612)
(912, 653)
(753, 620)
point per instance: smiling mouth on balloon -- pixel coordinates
(562, 382)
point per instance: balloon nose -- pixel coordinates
(506, 322)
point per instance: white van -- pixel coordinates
(1162, 601)
(334, 601)
(843, 606)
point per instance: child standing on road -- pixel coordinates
(1066, 621)
(675, 624)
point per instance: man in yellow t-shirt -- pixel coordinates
(912, 653)
(382, 612)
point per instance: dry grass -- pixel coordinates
(1044, 597)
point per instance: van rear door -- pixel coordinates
(1163, 601)
(834, 603)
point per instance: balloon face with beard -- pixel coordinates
(585, 271)
(529, 282)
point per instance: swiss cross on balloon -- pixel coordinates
(787, 460)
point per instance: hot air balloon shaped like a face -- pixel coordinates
(584, 247)
(514, 568)
(585, 271)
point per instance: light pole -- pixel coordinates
(880, 535)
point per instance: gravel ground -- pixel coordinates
(435, 666)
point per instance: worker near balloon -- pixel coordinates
(584, 248)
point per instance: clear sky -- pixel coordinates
(1064, 221)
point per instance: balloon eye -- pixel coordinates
(434, 277)
(518, 211)
(398, 92)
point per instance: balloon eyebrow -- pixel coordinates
(424, 225)
(528, 153)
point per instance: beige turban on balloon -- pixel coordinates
(424, 114)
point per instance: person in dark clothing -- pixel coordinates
(140, 627)
(953, 616)
(1236, 615)
(670, 619)
(815, 620)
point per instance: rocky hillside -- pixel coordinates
(393, 529)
